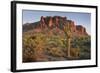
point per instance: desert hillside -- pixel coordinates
(55, 39)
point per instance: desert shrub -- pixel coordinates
(33, 47)
(85, 55)
(75, 52)
(84, 43)
(56, 52)
(28, 49)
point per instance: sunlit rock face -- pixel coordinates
(60, 22)
(57, 22)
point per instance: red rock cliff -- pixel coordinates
(60, 22)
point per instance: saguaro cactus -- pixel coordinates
(67, 30)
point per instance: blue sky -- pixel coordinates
(30, 16)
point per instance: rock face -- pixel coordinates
(81, 30)
(51, 22)
(59, 23)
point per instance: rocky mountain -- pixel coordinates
(56, 22)
(48, 40)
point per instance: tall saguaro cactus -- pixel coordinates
(67, 30)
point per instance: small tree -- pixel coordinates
(67, 30)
